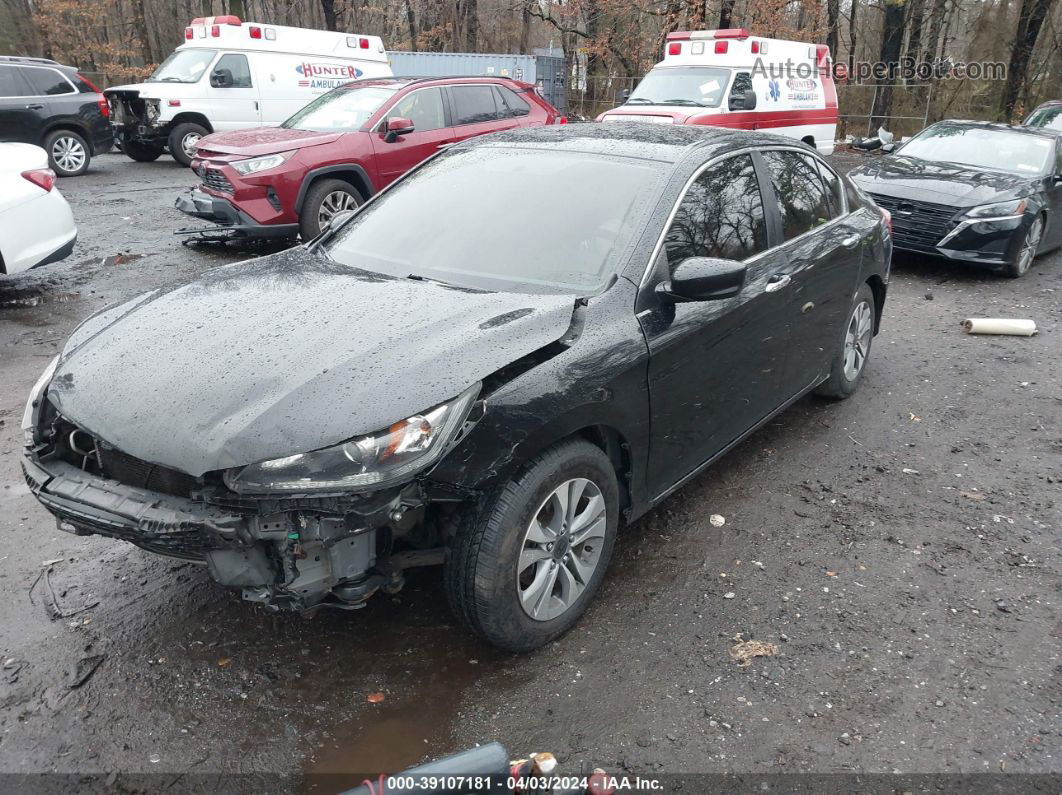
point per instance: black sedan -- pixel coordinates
(981, 193)
(525, 342)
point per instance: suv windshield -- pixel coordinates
(1050, 118)
(682, 85)
(342, 109)
(518, 220)
(1001, 150)
(184, 66)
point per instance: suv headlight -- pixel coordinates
(256, 164)
(33, 405)
(998, 210)
(364, 462)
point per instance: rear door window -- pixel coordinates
(721, 215)
(474, 104)
(11, 84)
(802, 200)
(45, 82)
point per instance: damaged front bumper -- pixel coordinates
(229, 219)
(290, 554)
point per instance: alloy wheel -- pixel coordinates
(1031, 244)
(68, 153)
(190, 142)
(561, 549)
(333, 204)
(857, 340)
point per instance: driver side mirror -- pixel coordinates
(744, 101)
(703, 279)
(397, 127)
(221, 78)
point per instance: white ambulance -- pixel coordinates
(729, 78)
(229, 75)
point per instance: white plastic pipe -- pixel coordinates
(1000, 325)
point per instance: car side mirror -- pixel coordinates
(623, 96)
(703, 279)
(888, 149)
(397, 127)
(221, 78)
(744, 101)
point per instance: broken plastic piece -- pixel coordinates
(1000, 325)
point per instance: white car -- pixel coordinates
(36, 224)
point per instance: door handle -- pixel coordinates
(776, 283)
(851, 241)
(35, 107)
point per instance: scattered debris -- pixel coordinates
(224, 662)
(729, 595)
(375, 698)
(973, 495)
(717, 520)
(1000, 325)
(908, 471)
(83, 669)
(744, 650)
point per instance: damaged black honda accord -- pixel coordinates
(528, 341)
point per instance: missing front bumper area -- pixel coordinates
(296, 557)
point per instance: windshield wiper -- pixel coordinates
(639, 101)
(683, 102)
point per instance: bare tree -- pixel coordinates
(1030, 19)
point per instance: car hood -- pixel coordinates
(283, 355)
(939, 183)
(263, 141)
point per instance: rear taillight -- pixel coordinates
(887, 218)
(562, 120)
(43, 178)
(101, 101)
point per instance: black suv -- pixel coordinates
(52, 106)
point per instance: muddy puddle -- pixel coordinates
(21, 302)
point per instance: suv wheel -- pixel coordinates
(183, 139)
(141, 152)
(68, 153)
(524, 567)
(1027, 251)
(850, 359)
(325, 200)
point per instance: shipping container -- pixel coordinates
(546, 69)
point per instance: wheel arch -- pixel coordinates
(70, 125)
(348, 172)
(190, 117)
(877, 288)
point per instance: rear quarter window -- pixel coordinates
(47, 82)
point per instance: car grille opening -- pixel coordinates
(131, 471)
(216, 180)
(914, 223)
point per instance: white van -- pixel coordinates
(229, 75)
(729, 78)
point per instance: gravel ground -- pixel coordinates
(895, 558)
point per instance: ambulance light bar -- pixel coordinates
(726, 33)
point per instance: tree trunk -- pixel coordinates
(525, 28)
(726, 14)
(936, 21)
(852, 37)
(1030, 19)
(891, 45)
(329, 8)
(411, 21)
(914, 25)
(471, 9)
(833, 14)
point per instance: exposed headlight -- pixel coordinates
(364, 462)
(262, 163)
(33, 406)
(999, 210)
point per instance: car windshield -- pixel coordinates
(1050, 118)
(682, 85)
(341, 109)
(980, 147)
(509, 220)
(184, 66)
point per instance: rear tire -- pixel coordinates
(68, 153)
(522, 569)
(141, 152)
(324, 199)
(853, 348)
(182, 141)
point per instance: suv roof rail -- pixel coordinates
(27, 59)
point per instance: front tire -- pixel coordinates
(524, 567)
(326, 199)
(1027, 251)
(68, 153)
(183, 140)
(853, 350)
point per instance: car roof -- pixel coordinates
(667, 143)
(25, 60)
(444, 80)
(996, 125)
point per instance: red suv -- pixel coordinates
(345, 146)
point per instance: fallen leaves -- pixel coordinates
(745, 650)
